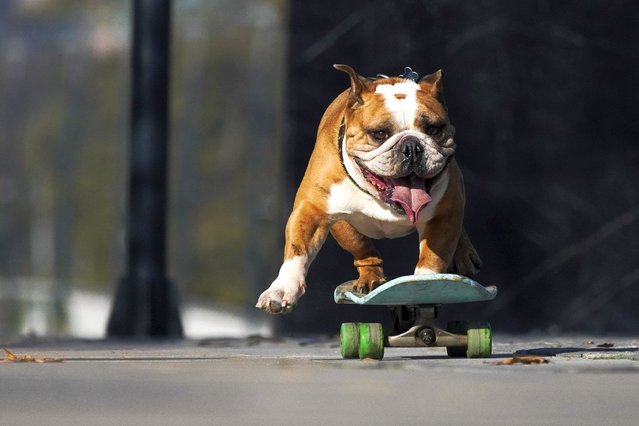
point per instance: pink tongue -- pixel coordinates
(410, 193)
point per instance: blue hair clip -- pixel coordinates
(410, 74)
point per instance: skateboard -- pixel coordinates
(415, 301)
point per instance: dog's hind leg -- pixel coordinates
(466, 261)
(368, 261)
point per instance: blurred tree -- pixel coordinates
(64, 76)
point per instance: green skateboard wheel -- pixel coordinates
(371, 341)
(479, 335)
(480, 340)
(349, 340)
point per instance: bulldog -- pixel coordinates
(383, 166)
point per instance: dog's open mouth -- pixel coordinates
(407, 194)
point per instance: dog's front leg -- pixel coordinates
(368, 261)
(306, 231)
(437, 243)
(439, 235)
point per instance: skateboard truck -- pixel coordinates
(423, 329)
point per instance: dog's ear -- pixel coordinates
(358, 84)
(435, 85)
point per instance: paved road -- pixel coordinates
(304, 381)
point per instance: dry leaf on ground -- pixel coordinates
(527, 359)
(11, 357)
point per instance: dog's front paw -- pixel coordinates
(281, 296)
(370, 278)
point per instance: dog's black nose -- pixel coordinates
(412, 150)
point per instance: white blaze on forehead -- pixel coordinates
(400, 100)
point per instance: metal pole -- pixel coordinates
(146, 301)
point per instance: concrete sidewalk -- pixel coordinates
(304, 381)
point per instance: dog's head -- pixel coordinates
(397, 137)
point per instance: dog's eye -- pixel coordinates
(434, 130)
(379, 135)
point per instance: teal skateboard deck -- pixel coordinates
(431, 289)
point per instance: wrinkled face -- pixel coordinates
(397, 141)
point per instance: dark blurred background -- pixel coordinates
(543, 95)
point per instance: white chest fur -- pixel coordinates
(372, 217)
